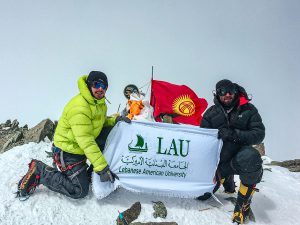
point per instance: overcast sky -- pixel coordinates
(45, 46)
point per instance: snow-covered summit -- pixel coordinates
(277, 202)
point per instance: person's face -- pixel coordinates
(99, 90)
(227, 98)
(226, 95)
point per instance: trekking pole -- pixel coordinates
(216, 199)
(150, 83)
(118, 108)
(122, 218)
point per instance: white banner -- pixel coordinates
(167, 159)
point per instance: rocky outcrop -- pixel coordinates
(291, 165)
(12, 140)
(40, 132)
(12, 135)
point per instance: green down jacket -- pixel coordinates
(81, 122)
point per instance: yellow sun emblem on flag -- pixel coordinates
(184, 105)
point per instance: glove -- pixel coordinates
(123, 118)
(107, 175)
(227, 134)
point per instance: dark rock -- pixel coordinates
(14, 125)
(12, 135)
(294, 169)
(5, 126)
(167, 119)
(16, 137)
(7, 123)
(131, 214)
(267, 169)
(155, 223)
(40, 131)
(160, 210)
(291, 165)
(260, 148)
(9, 135)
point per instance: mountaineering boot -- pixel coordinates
(29, 182)
(229, 184)
(242, 207)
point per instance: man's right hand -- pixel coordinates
(107, 175)
(123, 118)
(226, 134)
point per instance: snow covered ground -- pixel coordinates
(278, 201)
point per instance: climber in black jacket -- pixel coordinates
(240, 126)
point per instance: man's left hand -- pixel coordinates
(107, 175)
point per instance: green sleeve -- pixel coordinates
(109, 121)
(80, 121)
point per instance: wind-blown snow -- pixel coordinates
(278, 201)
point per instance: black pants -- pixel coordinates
(247, 163)
(73, 183)
(68, 183)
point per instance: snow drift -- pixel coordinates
(278, 201)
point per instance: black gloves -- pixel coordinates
(123, 118)
(107, 175)
(227, 134)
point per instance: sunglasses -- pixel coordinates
(224, 91)
(98, 85)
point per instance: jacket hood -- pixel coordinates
(85, 92)
(244, 99)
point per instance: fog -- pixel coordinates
(47, 45)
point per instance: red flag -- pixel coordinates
(177, 100)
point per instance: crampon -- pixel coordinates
(29, 182)
(242, 207)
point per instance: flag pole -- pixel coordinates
(149, 85)
(152, 74)
(151, 97)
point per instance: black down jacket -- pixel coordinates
(244, 119)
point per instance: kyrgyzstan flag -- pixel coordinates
(177, 100)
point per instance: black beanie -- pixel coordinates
(96, 76)
(225, 84)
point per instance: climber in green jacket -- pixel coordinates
(75, 141)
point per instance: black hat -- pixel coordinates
(96, 76)
(225, 84)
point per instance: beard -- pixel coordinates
(99, 94)
(229, 101)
